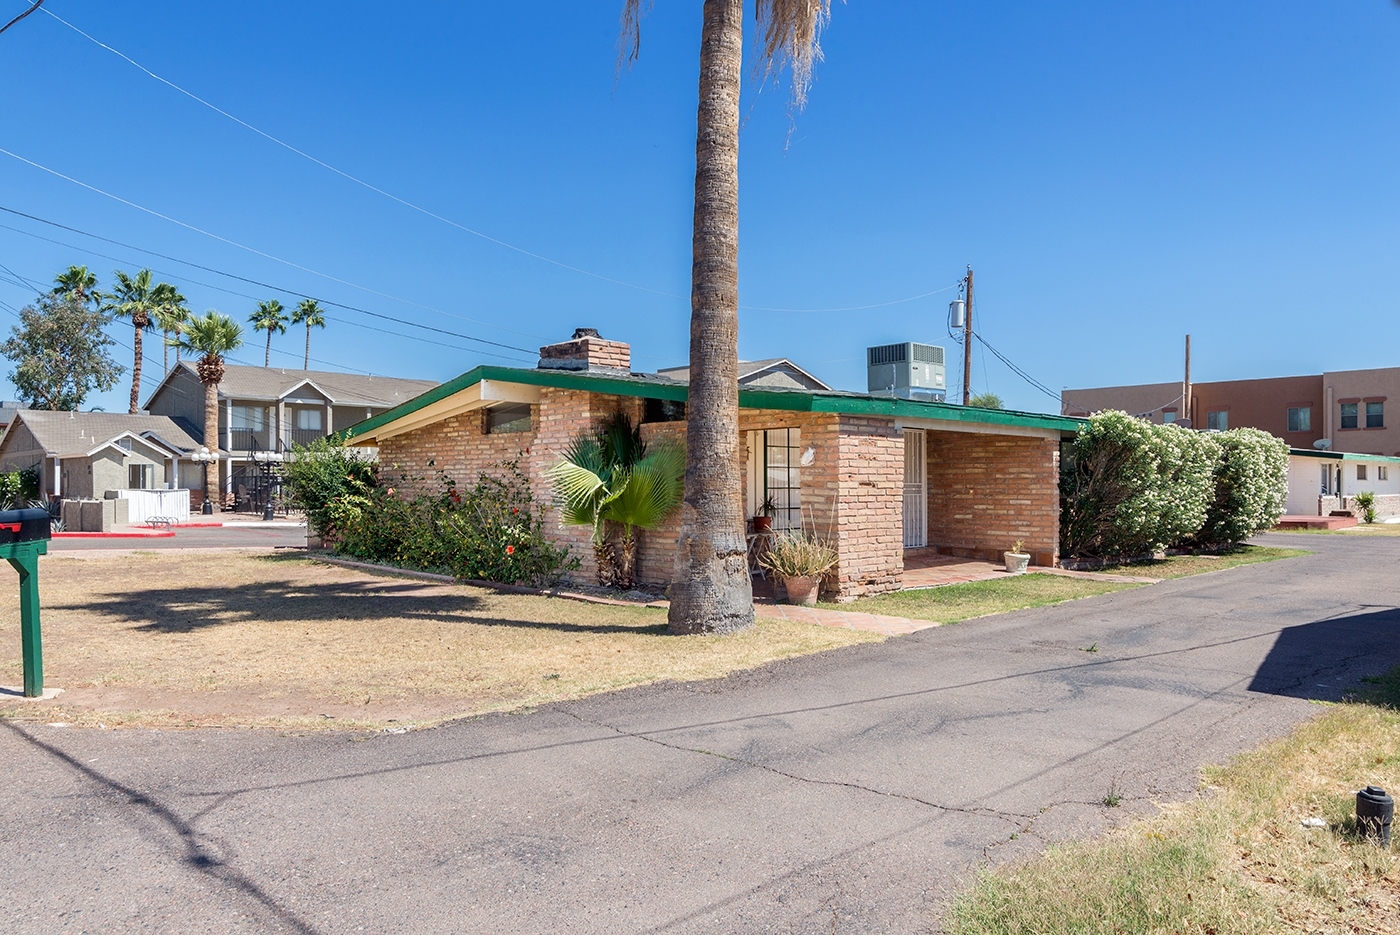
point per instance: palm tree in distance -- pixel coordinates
(171, 317)
(136, 298)
(269, 317)
(78, 282)
(309, 313)
(710, 589)
(211, 336)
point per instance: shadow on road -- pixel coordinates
(1321, 661)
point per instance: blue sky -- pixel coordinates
(1117, 174)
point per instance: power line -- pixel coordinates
(37, 4)
(254, 282)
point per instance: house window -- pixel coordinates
(1169, 416)
(140, 476)
(1375, 415)
(1381, 472)
(512, 417)
(1218, 420)
(309, 419)
(663, 410)
(124, 444)
(1348, 415)
(1300, 418)
(782, 476)
(1361, 472)
(251, 418)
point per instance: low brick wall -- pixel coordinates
(987, 491)
(1387, 506)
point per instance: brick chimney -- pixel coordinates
(587, 351)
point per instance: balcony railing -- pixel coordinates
(248, 439)
(303, 436)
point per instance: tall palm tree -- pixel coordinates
(710, 590)
(212, 336)
(78, 282)
(309, 313)
(171, 316)
(269, 317)
(135, 297)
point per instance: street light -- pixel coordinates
(204, 456)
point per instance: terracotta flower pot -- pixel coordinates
(1016, 562)
(762, 524)
(803, 590)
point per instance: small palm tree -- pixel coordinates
(269, 317)
(212, 336)
(171, 316)
(309, 313)
(135, 297)
(611, 481)
(79, 283)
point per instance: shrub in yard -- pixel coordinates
(1129, 487)
(493, 531)
(1367, 501)
(795, 554)
(322, 472)
(1251, 487)
(17, 488)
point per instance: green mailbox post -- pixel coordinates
(24, 536)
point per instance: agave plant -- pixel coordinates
(612, 481)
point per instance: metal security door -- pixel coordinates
(915, 490)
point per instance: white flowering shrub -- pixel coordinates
(1251, 487)
(1129, 487)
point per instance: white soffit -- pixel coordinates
(975, 428)
(477, 396)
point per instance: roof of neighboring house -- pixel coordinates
(652, 386)
(271, 384)
(1341, 455)
(775, 371)
(78, 434)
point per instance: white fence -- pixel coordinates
(143, 504)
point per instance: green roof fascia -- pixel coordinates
(1342, 455)
(786, 400)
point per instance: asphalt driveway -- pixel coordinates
(849, 792)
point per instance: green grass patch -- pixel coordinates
(954, 602)
(1182, 566)
(1235, 861)
(1361, 529)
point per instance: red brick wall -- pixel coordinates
(987, 491)
(596, 353)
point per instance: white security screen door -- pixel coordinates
(915, 490)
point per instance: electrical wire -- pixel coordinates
(37, 4)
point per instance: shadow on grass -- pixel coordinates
(189, 609)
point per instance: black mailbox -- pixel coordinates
(23, 526)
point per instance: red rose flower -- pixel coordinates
(510, 550)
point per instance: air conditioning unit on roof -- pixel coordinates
(907, 371)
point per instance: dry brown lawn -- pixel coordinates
(161, 638)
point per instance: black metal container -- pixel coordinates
(23, 526)
(1375, 812)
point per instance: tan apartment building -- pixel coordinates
(1347, 407)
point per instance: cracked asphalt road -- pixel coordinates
(850, 792)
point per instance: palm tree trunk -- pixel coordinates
(710, 589)
(165, 344)
(136, 373)
(267, 354)
(306, 363)
(211, 441)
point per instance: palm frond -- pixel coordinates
(580, 491)
(651, 491)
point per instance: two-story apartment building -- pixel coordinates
(265, 410)
(1342, 410)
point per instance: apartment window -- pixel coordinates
(124, 444)
(512, 417)
(1300, 418)
(251, 418)
(1348, 415)
(1169, 416)
(782, 476)
(1361, 472)
(1375, 415)
(1381, 472)
(309, 419)
(1219, 420)
(140, 476)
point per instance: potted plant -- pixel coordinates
(799, 561)
(1016, 560)
(763, 519)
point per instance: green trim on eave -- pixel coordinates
(1341, 455)
(786, 400)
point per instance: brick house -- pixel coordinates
(876, 477)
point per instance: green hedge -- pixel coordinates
(1129, 487)
(17, 488)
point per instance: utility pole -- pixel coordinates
(967, 342)
(1186, 386)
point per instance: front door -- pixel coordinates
(915, 490)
